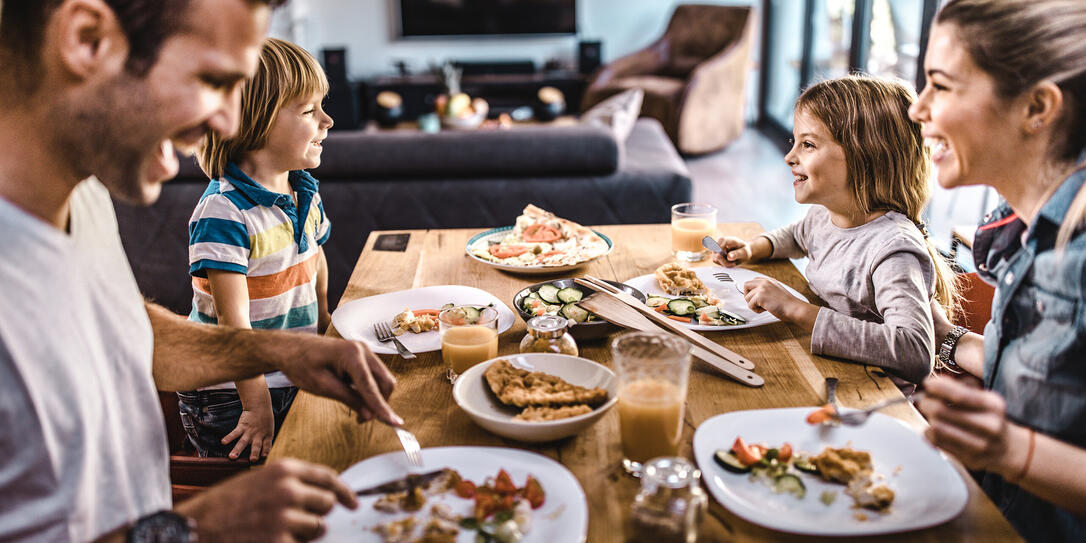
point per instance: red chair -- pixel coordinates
(976, 307)
(190, 474)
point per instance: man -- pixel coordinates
(110, 88)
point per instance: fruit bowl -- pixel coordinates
(460, 112)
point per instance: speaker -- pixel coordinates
(335, 65)
(589, 55)
(341, 106)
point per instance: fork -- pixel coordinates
(410, 447)
(856, 418)
(384, 335)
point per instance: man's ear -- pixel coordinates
(1043, 103)
(88, 38)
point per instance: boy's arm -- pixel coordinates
(323, 317)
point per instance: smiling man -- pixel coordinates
(110, 89)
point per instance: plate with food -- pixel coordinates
(706, 298)
(411, 315)
(538, 243)
(772, 468)
(464, 493)
(536, 397)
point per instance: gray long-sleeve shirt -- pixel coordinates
(877, 280)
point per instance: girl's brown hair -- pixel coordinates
(889, 168)
(1021, 43)
(286, 73)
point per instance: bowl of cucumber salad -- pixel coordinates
(560, 297)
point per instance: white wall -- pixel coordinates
(367, 29)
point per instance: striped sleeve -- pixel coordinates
(324, 226)
(218, 237)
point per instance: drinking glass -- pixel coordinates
(653, 370)
(689, 223)
(466, 341)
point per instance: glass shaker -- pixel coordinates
(547, 334)
(671, 503)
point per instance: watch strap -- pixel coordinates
(949, 345)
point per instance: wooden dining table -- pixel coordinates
(323, 431)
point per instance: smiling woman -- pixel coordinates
(1005, 106)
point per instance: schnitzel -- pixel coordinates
(523, 388)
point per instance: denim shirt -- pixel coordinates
(1035, 344)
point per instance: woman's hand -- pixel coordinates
(971, 424)
(737, 251)
(255, 429)
(764, 294)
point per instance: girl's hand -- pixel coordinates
(971, 424)
(763, 294)
(255, 429)
(737, 250)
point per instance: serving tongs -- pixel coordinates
(624, 310)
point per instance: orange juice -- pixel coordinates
(465, 346)
(686, 233)
(650, 413)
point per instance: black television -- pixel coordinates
(431, 18)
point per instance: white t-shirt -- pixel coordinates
(82, 443)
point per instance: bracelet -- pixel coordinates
(1029, 458)
(949, 345)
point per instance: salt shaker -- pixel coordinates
(547, 334)
(671, 503)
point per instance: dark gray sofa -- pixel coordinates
(408, 180)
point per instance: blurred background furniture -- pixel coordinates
(976, 308)
(190, 474)
(694, 76)
(407, 179)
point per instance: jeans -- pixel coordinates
(209, 415)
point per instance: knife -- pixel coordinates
(401, 485)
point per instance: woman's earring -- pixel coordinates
(1037, 124)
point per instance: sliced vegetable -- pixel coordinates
(549, 294)
(791, 484)
(822, 415)
(541, 233)
(746, 454)
(804, 464)
(570, 295)
(575, 312)
(507, 251)
(656, 301)
(730, 462)
(827, 497)
(533, 492)
(681, 307)
(784, 452)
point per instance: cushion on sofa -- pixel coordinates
(617, 113)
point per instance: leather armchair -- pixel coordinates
(694, 76)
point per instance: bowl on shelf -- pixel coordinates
(461, 112)
(594, 329)
(472, 393)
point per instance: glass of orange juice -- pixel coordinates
(653, 370)
(689, 223)
(469, 335)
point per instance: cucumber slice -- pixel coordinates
(804, 464)
(656, 301)
(573, 311)
(729, 462)
(731, 318)
(549, 294)
(681, 307)
(471, 314)
(449, 305)
(570, 295)
(790, 484)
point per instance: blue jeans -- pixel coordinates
(209, 415)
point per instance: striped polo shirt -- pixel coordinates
(242, 227)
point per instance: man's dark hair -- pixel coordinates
(146, 23)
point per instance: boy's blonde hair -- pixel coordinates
(286, 73)
(889, 168)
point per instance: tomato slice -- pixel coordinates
(507, 251)
(465, 489)
(503, 484)
(538, 233)
(822, 414)
(785, 452)
(533, 492)
(746, 454)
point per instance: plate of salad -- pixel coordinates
(721, 308)
(499, 495)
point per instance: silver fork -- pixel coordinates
(410, 447)
(723, 277)
(856, 418)
(384, 335)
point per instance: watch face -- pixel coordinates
(162, 527)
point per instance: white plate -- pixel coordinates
(496, 234)
(927, 489)
(355, 319)
(725, 291)
(563, 516)
(473, 395)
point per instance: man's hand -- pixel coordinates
(346, 371)
(283, 501)
(255, 429)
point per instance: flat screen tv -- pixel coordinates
(420, 18)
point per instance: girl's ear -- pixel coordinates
(87, 37)
(1043, 104)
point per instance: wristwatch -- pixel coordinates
(947, 347)
(163, 527)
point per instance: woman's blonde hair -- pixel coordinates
(1021, 43)
(286, 73)
(888, 166)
